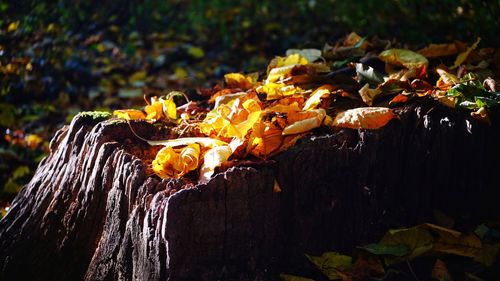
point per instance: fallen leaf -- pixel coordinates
(440, 271)
(401, 98)
(438, 50)
(367, 74)
(212, 159)
(330, 262)
(238, 80)
(207, 142)
(463, 56)
(419, 241)
(364, 118)
(367, 94)
(404, 57)
(397, 250)
(310, 55)
(315, 98)
(129, 114)
(175, 163)
(306, 124)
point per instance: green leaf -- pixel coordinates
(383, 250)
(328, 263)
(7, 115)
(417, 240)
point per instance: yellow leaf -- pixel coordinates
(463, 56)
(212, 159)
(364, 118)
(403, 57)
(278, 90)
(367, 94)
(169, 108)
(129, 114)
(309, 54)
(137, 76)
(307, 124)
(238, 80)
(154, 111)
(316, 97)
(264, 140)
(196, 52)
(13, 26)
(352, 39)
(291, 60)
(279, 73)
(174, 163)
(180, 73)
(446, 80)
(33, 140)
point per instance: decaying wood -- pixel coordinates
(92, 213)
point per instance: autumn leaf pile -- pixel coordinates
(354, 84)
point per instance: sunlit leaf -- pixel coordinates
(129, 114)
(174, 163)
(206, 142)
(238, 80)
(403, 57)
(463, 56)
(306, 124)
(315, 99)
(310, 55)
(364, 118)
(212, 159)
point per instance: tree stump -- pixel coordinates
(91, 212)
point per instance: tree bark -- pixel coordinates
(91, 212)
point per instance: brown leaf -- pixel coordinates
(440, 271)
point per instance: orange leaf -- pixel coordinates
(129, 114)
(399, 99)
(438, 50)
(364, 118)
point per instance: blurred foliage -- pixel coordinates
(60, 57)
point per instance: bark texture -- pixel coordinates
(92, 213)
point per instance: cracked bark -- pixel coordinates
(90, 212)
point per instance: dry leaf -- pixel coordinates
(212, 159)
(438, 50)
(129, 114)
(404, 57)
(463, 56)
(367, 94)
(364, 118)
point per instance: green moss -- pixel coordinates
(96, 115)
